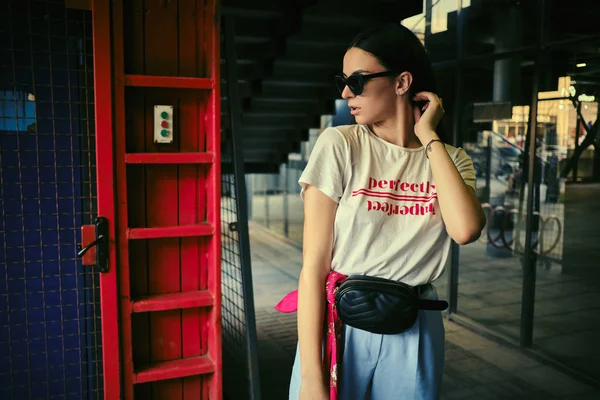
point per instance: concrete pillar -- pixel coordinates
(507, 36)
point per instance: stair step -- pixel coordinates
(318, 54)
(247, 30)
(174, 369)
(255, 51)
(168, 82)
(204, 229)
(262, 141)
(268, 133)
(280, 120)
(244, 86)
(285, 68)
(305, 122)
(169, 158)
(251, 71)
(173, 301)
(315, 30)
(240, 11)
(299, 89)
(254, 167)
(351, 21)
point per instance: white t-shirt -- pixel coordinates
(388, 222)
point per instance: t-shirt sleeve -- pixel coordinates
(465, 167)
(326, 164)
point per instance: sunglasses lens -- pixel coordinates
(355, 84)
(340, 83)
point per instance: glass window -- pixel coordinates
(567, 296)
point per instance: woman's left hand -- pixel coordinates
(426, 121)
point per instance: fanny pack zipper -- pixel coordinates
(372, 285)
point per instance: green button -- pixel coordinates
(164, 133)
(164, 115)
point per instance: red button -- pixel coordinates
(164, 124)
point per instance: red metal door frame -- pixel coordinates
(105, 173)
(118, 303)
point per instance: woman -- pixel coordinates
(382, 198)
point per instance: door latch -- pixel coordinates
(99, 245)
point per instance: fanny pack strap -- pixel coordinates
(433, 305)
(428, 304)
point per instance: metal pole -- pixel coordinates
(529, 259)
(266, 181)
(249, 194)
(456, 140)
(428, 12)
(488, 169)
(235, 113)
(577, 129)
(286, 214)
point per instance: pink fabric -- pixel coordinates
(289, 303)
(334, 341)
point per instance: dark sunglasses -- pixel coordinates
(356, 82)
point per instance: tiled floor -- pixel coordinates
(476, 368)
(567, 298)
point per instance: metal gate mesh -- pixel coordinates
(233, 306)
(50, 343)
(240, 361)
(239, 328)
(233, 313)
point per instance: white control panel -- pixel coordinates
(163, 124)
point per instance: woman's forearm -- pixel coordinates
(311, 311)
(319, 216)
(459, 206)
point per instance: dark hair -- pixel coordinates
(399, 50)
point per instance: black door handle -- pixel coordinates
(101, 244)
(89, 246)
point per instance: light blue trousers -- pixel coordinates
(407, 366)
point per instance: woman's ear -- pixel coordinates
(403, 83)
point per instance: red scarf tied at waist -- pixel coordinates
(334, 341)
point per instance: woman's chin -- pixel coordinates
(361, 120)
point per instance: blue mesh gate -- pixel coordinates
(50, 343)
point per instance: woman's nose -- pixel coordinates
(347, 93)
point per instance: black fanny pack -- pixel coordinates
(381, 305)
